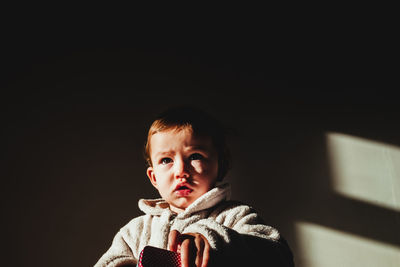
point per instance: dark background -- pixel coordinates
(77, 100)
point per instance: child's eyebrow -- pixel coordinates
(198, 147)
(162, 153)
(188, 148)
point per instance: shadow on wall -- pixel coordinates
(77, 172)
(334, 196)
(337, 198)
(360, 222)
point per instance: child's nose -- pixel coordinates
(181, 169)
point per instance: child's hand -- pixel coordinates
(193, 247)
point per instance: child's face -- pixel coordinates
(184, 167)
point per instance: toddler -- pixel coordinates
(187, 160)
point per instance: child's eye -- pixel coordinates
(196, 156)
(165, 160)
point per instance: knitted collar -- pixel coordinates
(209, 199)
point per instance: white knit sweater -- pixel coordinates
(212, 215)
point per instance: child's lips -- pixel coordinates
(183, 190)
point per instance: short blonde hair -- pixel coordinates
(199, 123)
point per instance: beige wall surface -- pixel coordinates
(364, 171)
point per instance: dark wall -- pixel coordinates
(76, 116)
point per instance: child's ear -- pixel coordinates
(152, 177)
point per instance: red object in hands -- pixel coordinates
(155, 257)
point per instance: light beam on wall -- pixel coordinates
(323, 246)
(362, 171)
(365, 170)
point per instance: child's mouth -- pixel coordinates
(183, 190)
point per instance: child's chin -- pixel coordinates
(183, 203)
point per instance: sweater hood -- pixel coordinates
(156, 206)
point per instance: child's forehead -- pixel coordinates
(185, 137)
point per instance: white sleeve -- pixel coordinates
(119, 254)
(237, 232)
(124, 250)
(217, 228)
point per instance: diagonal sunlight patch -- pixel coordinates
(323, 246)
(365, 170)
